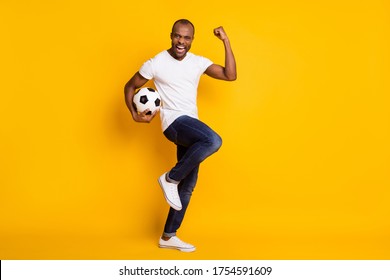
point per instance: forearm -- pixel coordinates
(230, 61)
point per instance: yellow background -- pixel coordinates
(303, 172)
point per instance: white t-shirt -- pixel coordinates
(177, 83)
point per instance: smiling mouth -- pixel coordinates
(180, 49)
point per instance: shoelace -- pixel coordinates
(174, 192)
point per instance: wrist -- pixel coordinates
(225, 40)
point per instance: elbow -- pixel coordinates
(232, 78)
(230, 75)
(129, 88)
(126, 88)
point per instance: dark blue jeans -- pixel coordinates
(195, 142)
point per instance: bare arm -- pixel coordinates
(227, 72)
(131, 86)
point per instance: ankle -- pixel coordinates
(170, 180)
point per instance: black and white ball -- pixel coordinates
(147, 99)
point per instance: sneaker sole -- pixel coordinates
(187, 250)
(174, 206)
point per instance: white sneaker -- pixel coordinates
(170, 192)
(175, 243)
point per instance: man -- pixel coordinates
(176, 73)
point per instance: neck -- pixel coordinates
(172, 53)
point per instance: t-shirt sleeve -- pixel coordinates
(205, 63)
(146, 70)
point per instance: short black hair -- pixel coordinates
(183, 21)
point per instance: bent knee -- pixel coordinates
(216, 142)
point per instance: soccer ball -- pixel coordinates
(147, 99)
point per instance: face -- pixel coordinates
(181, 39)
